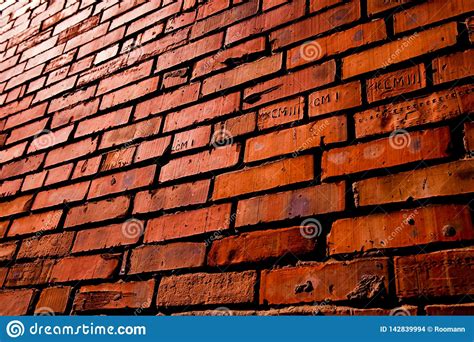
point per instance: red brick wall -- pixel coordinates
(236, 157)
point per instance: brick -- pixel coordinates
(121, 182)
(259, 246)
(16, 302)
(47, 139)
(320, 23)
(26, 115)
(99, 43)
(194, 138)
(450, 310)
(171, 197)
(131, 15)
(152, 148)
(438, 274)
(55, 89)
(7, 250)
(15, 206)
(396, 83)
(420, 226)
(122, 295)
(242, 74)
(400, 50)
(212, 7)
(225, 56)
(264, 177)
(281, 113)
(290, 84)
(454, 66)
(72, 98)
(86, 167)
(35, 223)
(384, 153)
(207, 288)
(129, 133)
(39, 48)
(72, 151)
(356, 37)
(320, 199)
(236, 126)
(66, 194)
(202, 112)
(469, 136)
(59, 174)
(103, 122)
(188, 223)
(365, 279)
(219, 158)
(75, 113)
(435, 107)
(174, 78)
(15, 107)
(377, 6)
(54, 299)
(154, 17)
(335, 99)
(74, 33)
(125, 77)
(10, 188)
(429, 12)
(118, 158)
(33, 273)
(55, 245)
(24, 77)
(129, 93)
(12, 152)
(167, 257)
(178, 97)
(85, 267)
(97, 211)
(453, 178)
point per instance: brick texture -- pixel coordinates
(174, 156)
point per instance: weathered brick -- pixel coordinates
(188, 223)
(431, 224)
(129, 133)
(75, 113)
(377, 6)
(118, 158)
(194, 138)
(129, 93)
(86, 167)
(154, 258)
(15, 206)
(333, 280)
(334, 99)
(259, 246)
(56, 245)
(281, 113)
(53, 300)
(235, 126)
(35, 223)
(454, 66)
(16, 302)
(320, 199)
(450, 309)
(67, 194)
(152, 148)
(469, 136)
(71, 151)
(34, 273)
(125, 77)
(443, 273)
(7, 250)
(207, 288)
(264, 177)
(85, 267)
(103, 122)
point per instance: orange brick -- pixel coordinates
(131, 132)
(129, 93)
(377, 6)
(66, 194)
(7, 250)
(334, 99)
(85, 267)
(281, 113)
(118, 158)
(103, 122)
(469, 136)
(16, 302)
(71, 151)
(191, 139)
(53, 299)
(35, 223)
(152, 148)
(454, 66)
(15, 206)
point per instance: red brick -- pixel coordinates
(207, 288)
(16, 302)
(290, 84)
(35, 223)
(66, 194)
(86, 167)
(107, 237)
(281, 113)
(219, 158)
(133, 14)
(172, 256)
(152, 148)
(178, 97)
(73, 98)
(55, 245)
(39, 48)
(3, 274)
(129, 133)
(429, 12)
(99, 43)
(338, 42)
(7, 250)
(335, 99)
(454, 178)
(171, 197)
(10, 188)
(454, 66)
(194, 138)
(236, 126)
(219, 60)
(438, 106)
(396, 83)
(420, 226)
(469, 136)
(320, 199)
(259, 246)
(121, 182)
(134, 294)
(53, 300)
(125, 77)
(26, 115)
(174, 78)
(118, 158)
(333, 280)
(12, 152)
(396, 150)
(154, 17)
(85, 267)
(55, 89)
(15, 107)
(48, 139)
(24, 77)
(33, 273)
(129, 93)
(399, 50)
(75, 113)
(212, 7)
(376, 6)
(97, 211)
(188, 223)
(242, 74)
(444, 273)
(59, 174)
(103, 122)
(72, 151)
(450, 309)
(15, 206)
(264, 177)
(74, 33)
(202, 112)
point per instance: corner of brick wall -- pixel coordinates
(263, 157)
